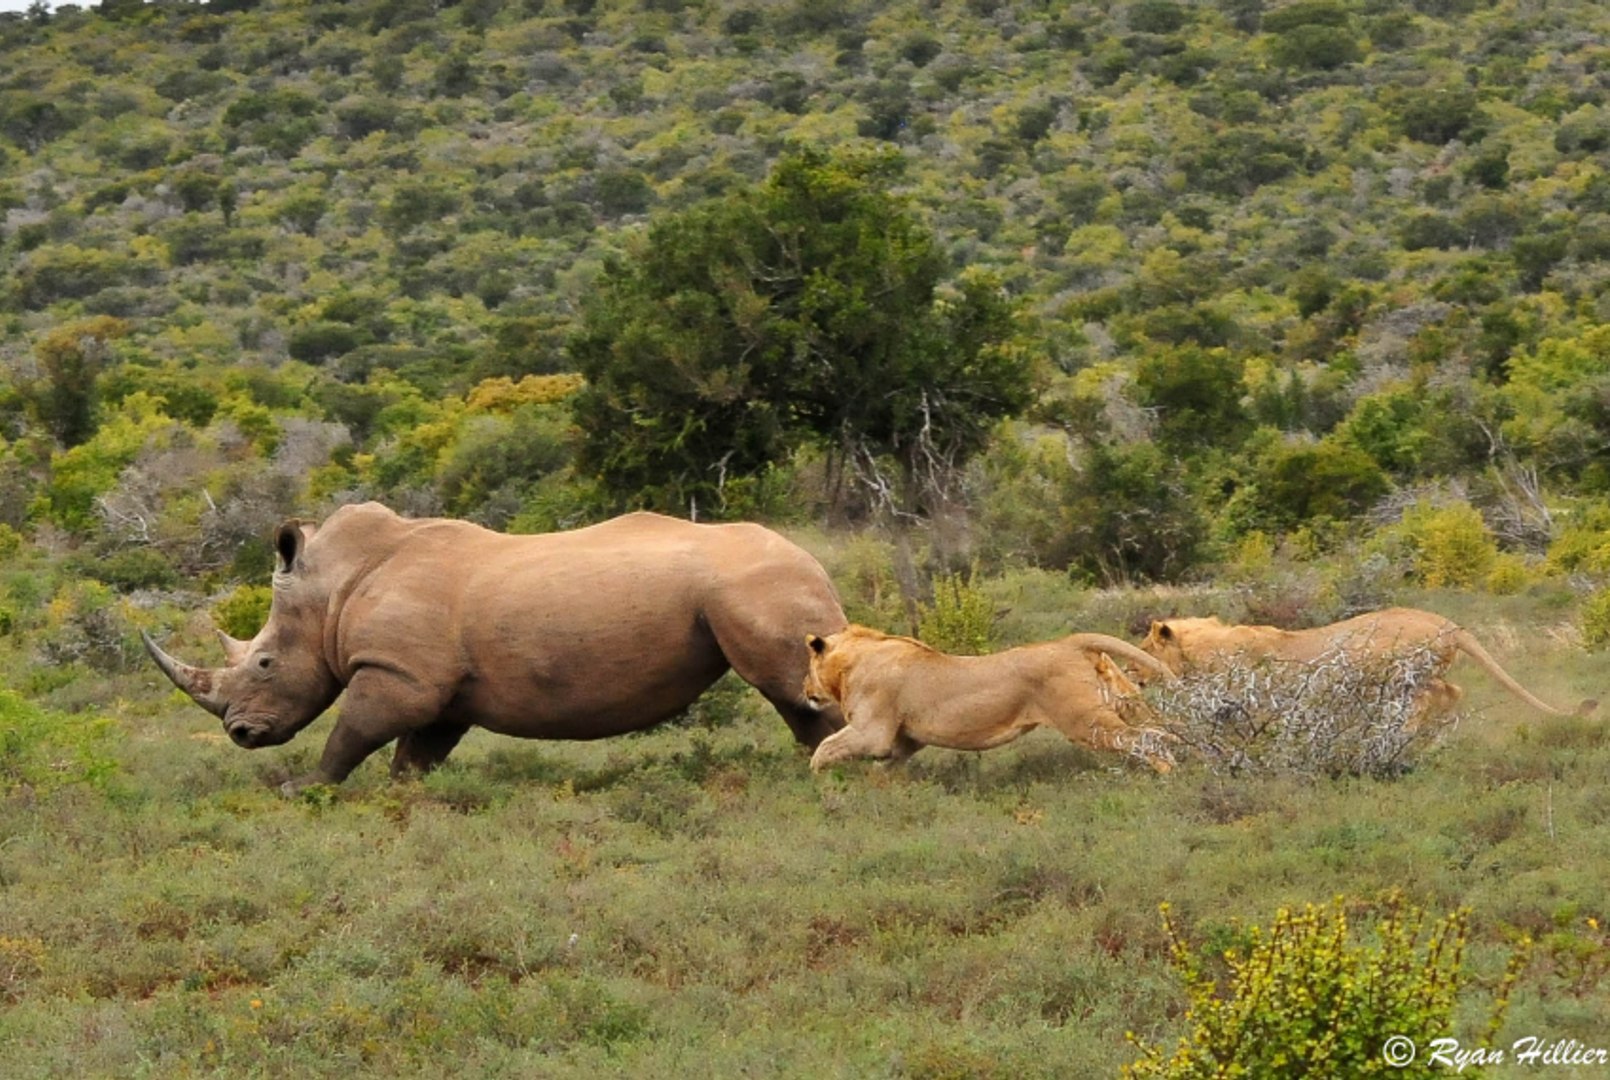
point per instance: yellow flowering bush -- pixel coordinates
(1311, 997)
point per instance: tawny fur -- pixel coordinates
(899, 695)
(1190, 643)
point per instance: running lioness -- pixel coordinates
(899, 695)
(1186, 644)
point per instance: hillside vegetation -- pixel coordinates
(1024, 317)
(1278, 271)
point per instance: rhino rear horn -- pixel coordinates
(235, 650)
(199, 683)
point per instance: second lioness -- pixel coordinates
(899, 695)
(1186, 644)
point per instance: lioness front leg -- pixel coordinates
(858, 739)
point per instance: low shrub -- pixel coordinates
(243, 611)
(1444, 546)
(1313, 997)
(1336, 715)
(961, 618)
(1583, 545)
(132, 569)
(84, 623)
(1508, 575)
(41, 750)
(1596, 620)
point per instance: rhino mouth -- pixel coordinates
(251, 732)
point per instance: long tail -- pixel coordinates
(1472, 648)
(1123, 650)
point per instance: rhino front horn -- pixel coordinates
(199, 683)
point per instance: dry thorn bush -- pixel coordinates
(1336, 715)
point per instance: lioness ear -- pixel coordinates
(1162, 631)
(289, 539)
(818, 645)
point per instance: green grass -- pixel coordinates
(692, 901)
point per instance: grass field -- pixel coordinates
(692, 902)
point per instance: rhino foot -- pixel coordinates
(293, 789)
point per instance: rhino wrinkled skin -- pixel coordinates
(430, 627)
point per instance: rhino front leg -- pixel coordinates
(379, 706)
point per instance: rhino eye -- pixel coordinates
(264, 663)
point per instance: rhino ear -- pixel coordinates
(289, 540)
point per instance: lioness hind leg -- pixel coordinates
(904, 747)
(1439, 697)
(1104, 729)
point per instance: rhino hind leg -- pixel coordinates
(422, 750)
(763, 639)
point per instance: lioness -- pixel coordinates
(899, 695)
(1183, 644)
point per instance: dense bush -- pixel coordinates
(1596, 620)
(960, 619)
(41, 750)
(1314, 996)
(1443, 546)
(243, 611)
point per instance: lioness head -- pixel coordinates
(1120, 691)
(1163, 643)
(824, 681)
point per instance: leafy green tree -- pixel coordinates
(196, 190)
(1434, 114)
(813, 307)
(72, 359)
(31, 120)
(1316, 34)
(1333, 478)
(1129, 515)
(1197, 393)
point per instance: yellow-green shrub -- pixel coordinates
(86, 623)
(1446, 546)
(1509, 575)
(1583, 545)
(45, 750)
(1596, 620)
(244, 611)
(503, 394)
(961, 618)
(1312, 997)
